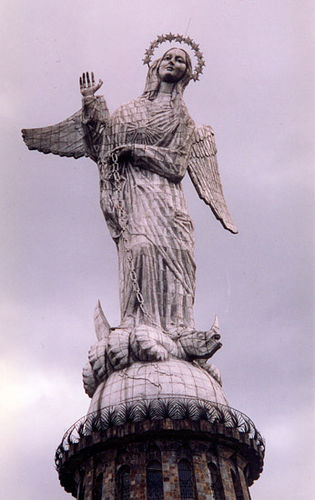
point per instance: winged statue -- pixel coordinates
(143, 151)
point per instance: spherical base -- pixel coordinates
(175, 379)
(168, 418)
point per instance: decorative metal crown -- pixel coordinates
(180, 39)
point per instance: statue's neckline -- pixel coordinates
(163, 96)
(163, 100)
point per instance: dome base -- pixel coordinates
(175, 379)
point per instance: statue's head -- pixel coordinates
(173, 67)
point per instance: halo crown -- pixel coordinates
(170, 37)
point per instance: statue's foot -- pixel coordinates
(118, 350)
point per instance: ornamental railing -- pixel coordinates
(173, 407)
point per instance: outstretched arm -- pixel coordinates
(77, 135)
(95, 113)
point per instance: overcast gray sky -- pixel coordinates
(57, 257)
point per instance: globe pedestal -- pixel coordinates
(160, 430)
(173, 379)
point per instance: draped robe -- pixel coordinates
(154, 236)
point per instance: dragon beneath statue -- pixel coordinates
(118, 348)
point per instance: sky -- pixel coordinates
(57, 258)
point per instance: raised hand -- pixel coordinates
(88, 87)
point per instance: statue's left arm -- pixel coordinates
(204, 173)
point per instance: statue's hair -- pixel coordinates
(153, 81)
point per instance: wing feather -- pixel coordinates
(64, 139)
(204, 173)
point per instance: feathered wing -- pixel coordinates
(64, 139)
(204, 173)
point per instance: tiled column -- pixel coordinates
(170, 474)
(225, 471)
(202, 476)
(109, 485)
(137, 475)
(240, 467)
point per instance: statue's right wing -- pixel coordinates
(64, 139)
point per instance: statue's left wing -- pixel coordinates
(64, 139)
(204, 173)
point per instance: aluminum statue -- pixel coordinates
(143, 151)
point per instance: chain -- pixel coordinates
(116, 179)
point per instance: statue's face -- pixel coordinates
(173, 66)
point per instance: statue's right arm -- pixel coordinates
(95, 114)
(78, 135)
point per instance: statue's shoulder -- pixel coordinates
(130, 108)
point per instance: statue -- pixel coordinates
(143, 151)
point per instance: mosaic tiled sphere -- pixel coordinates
(165, 379)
